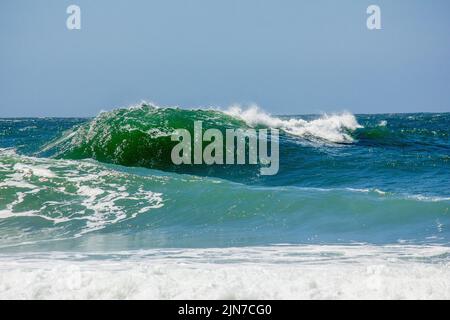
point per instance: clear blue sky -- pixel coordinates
(289, 57)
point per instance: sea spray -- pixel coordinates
(333, 128)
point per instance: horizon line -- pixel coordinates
(276, 115)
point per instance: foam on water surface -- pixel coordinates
(332, 128)
(64, 191)
(93, 212)
(276, 272)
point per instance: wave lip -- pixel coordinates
(333, 128)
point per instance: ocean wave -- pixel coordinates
(136, 136)
(402, 130)
(63, 191)
(140, 135)
(332, 128)
(45, 199)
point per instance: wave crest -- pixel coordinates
(333, 128)
(141, 136)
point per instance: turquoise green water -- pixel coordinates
(108, 183)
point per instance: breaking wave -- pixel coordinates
(140, 136)
(333, 128)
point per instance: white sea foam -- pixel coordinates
(91, 191)
(375, 190)
(420, 197)
(36, 170)
(29, 128)
(333, 128)
(7, 151)
(279, 272)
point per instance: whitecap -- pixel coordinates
(333, 128)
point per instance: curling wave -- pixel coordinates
(140, 136)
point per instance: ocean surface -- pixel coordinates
(94, 208)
